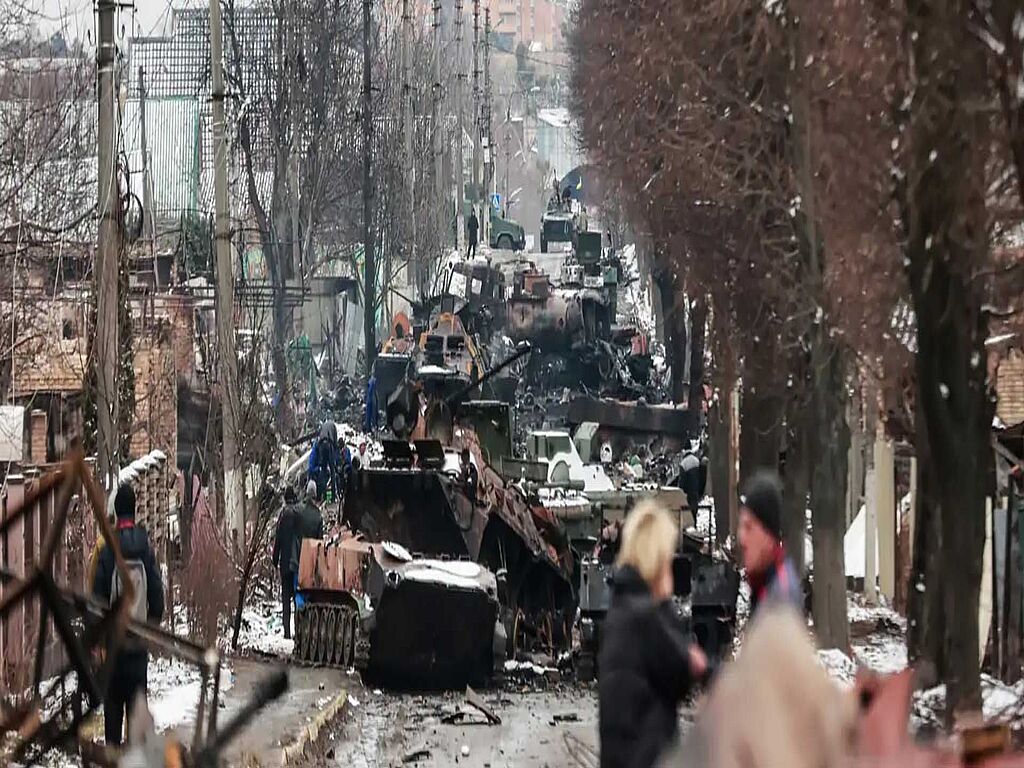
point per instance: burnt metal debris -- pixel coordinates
(502, 359)
(400, 619)
(52, 719)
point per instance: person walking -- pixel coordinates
(770, 573)
(646, 663)
(468, 474)
(372, 405)
(310, 522)
(473, 228)
(324, 460)
(128, 677)
(284, 545)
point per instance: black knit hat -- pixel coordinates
(762, 495)
(124, 502)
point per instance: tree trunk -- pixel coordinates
(796, 479)
(674, 316)
(719, 428)
(946, 240)
(762, 411)
(925, 621)
(695, 399)
(279, 361)
(830, 443)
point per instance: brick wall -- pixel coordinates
(156, 403)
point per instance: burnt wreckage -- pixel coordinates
(397, 618)
(431, 545)
(418, 498)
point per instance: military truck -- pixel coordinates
(506, 234)
(556, 226)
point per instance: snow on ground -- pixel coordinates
(879, 644)
(262, 629)
(174, 691)
(878, 639)
(999, 702)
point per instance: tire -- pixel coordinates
(505, 243)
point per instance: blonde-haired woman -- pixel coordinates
(646, 662)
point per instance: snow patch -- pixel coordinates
(262, 630)
(173, 694)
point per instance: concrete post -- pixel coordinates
(870, 539)
(13, 628)
(885, 509)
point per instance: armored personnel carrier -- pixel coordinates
(399, 619)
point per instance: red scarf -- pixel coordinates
(125, 522)
(760, 582)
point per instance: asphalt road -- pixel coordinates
(555, 727)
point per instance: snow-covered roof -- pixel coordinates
(557, 117)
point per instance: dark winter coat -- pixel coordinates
(781, 585)
(134, 543)
(644, 672)
(309, 524)
(473, 226)
(285, 539)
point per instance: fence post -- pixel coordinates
(14, 621)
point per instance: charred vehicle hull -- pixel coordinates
(399, 619)
(428, 511)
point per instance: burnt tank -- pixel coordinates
(419, 498)
(400, 619)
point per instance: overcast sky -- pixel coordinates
(76, 18)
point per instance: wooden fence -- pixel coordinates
(20, 547)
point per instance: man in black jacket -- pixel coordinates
(647, 664)
(129, 671)
(284, 544)
(309, 523)
(472, 228)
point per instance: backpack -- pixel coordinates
(139, 608)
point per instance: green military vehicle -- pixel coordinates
(506, 234)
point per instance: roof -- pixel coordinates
(47, 362)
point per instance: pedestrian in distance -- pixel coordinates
(129, 672)
(311, 519)
(647, 664)
(473, 228)
(770, 573)
(283, 555)
(324, 460)
(372, 405)
(468, 474)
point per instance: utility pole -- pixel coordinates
(489, 153)
(108, 252)
(476, 108)
(436, 128)
(369, 262)
(460, 130)
(407, 138)
(295, 144)
(148, 214)
(231, 408)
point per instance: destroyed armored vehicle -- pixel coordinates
(399, 619)
(418, 498)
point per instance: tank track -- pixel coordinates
(329, 635)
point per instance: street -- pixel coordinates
(538, 728)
